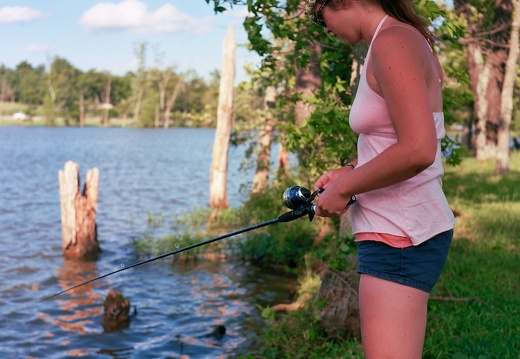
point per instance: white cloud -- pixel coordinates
(39, 48)
(134, 15)
(16, 14)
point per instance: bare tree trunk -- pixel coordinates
(137, 108)
(140, 81)
(78, 213)
(283, 161)
(360, 51)
(107, 104)
(219, 160)
(261, 179)
(2, 96)
(171, 101)
(486, 45)
(479, 73)
(157, 115)
(307, 80)
(506, 110)
(81, 109)
(52, 114)
(164, 79)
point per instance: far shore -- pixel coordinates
(89, 122)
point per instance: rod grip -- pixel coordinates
(295, 214)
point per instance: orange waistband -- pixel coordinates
(390, 239)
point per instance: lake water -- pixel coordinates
(161, 172)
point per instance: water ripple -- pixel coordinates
(163, 173)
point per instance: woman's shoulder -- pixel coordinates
(400, 44)
(400, 37)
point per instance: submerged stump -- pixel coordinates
(116, 314)
(78, 213)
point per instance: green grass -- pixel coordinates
(479, 314)
(9, 108)
(475, 307)
(92, 119)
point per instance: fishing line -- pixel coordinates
(297, 198)
(209, 229)
(168, 251)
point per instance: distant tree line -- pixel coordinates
(152, 96)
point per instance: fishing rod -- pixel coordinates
(297, 198)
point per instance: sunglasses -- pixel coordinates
(317, 17)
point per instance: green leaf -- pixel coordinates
(344, 247)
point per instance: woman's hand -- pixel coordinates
(328, 178)
(331, 202)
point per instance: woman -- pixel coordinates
(402, 221)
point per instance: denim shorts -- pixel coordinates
(417, 266)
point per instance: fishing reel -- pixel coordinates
(296, 196)
(299, 199)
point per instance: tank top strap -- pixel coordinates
(381, 22)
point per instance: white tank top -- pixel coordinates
(416, 208)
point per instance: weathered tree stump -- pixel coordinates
(116, 314)
(340, 316)
(78, 213)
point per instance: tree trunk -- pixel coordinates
(487, 60)
(140, 81)
(81, 109)
(307, 80)
(219, 160)
(137, 108)
(51, 113)
(2, 96)
(164, 78)
(479, 74)
(116, 313)
(506, 110)
(261, 179)
(339, 317)
(78, 213)
(157, 115)
(171, 101)
(360, 51)
(107, 101)
(283, 161)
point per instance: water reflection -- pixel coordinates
(82, 303)
(165, 173)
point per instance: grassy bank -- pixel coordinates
(7, 110)
(475, 308)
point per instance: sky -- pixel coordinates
(103, 34)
